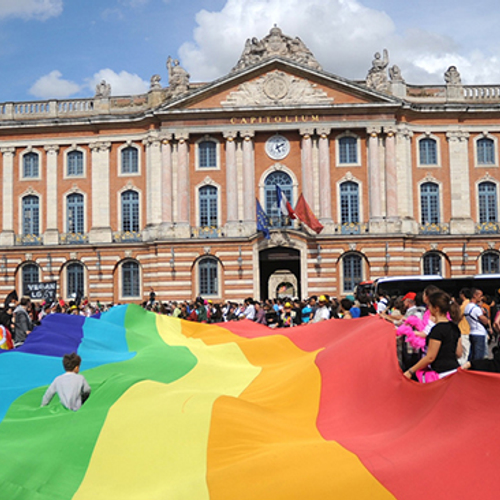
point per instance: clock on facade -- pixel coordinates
(277, 147)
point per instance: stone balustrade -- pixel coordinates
(482, 92)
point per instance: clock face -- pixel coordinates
(277, 147)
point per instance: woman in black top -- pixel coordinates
(443, 346)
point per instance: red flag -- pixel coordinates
(305, 214)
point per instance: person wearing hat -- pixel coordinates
(322, 312)
(288, 316)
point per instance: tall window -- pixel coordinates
(284, 181)
(353, 271)
(208, 269)
(429, 203)
(349, 203)
(130, 160)
(75, 213)
(428, 151)
(432, 263)
(74, 280)
(75, 163)
(490, 263)
(30, 165)
(130, 211)
(488, 203)
(31, 215)
(130, 279)
(485, 149)
(30, 274)
(207, 154)
(348, 150)
(208, 206)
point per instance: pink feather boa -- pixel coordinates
(408, 328)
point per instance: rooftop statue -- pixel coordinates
(395, 74)
(276, 44)
(103, 89)
(452, 76)
(377, 76)
(154, 83)
(178, 77)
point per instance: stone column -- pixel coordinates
(231, 185)
(307, 168)
(167, 215)
(461, 221)
(153, 186)
(377, 223)
(7, 234)
(51, 235)
(404, 174)
(249, 205)
(325, 188)
(393, 222)
(101, 229)
(183, 195)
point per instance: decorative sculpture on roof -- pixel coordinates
(102, 89)
(377, 76)
(178, 77)
(154, 83)
(452, 76)
(395, 74)
(276, 44)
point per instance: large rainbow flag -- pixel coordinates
(181, 410)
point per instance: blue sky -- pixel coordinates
(62, 48)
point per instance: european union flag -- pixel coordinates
(262, 221)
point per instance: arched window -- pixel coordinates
(208, 206)
(30, 165)
(130, 160)
(490, 263)
(207, 154)
(485, 150)
(432, 263)
(348, 150)
(130, 279)
(349, 203)
(208, 276)
(74, 209)
(488, 203)
(130, 211)
(75, 163)
(353, 271)
(428, 151)
(284, 181)
(30, 275)
(31, 215)
(75, 280)
(429, 203)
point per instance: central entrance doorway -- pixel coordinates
(279, 273)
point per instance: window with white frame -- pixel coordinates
(207, 154)
(348, 150)
(74, 164)
(31, 167)
(428, 151)
(30, 275)
(130, 160)
(75, 213)
(485, 151)
(208, 199)
(208, 276)
(349, 203)
(490, 263)
(352, 265)
(488, 202)
(130, 279)
(432, 263)
(31, 215)
(75, 280)
(130, 211)
(429, 203)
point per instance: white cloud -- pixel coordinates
(342, 34)
(31, 9)
(122, 83)
(52, 86)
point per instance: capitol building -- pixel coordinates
(113, 196)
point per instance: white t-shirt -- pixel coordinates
(472, 312)
(321, 313)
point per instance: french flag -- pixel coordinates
(284, 204)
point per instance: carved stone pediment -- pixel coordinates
(277, 88)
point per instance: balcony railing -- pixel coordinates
(73, 238)
(434, 228)
(126, 236)
(29, 239)
(488, 228)
(353, 228)
(206, 232)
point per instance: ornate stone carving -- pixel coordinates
(279, 238)
(276, 44)
(154, 83)
(452, 76)
(395, 74)
(178, 77)
(377, 76)
(277, 88)
(102, 90)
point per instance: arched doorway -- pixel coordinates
(275, 264)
